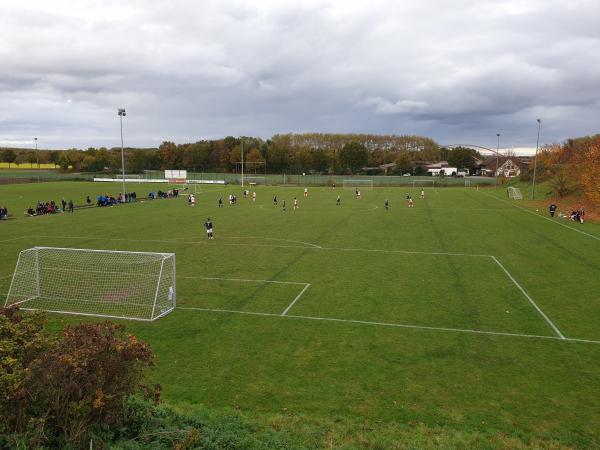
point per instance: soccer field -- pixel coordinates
(468, 311)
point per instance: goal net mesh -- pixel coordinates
(358, 184)
(515, 193)
(105, 283)
(255, 180)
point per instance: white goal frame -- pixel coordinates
(515, 193)
(99, 283)
(356, 184)
(423, 183)
(252, 180)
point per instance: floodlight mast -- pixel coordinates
(537, 145)
(37, 159)
(497, 158)
(242, 149)
(121, 115)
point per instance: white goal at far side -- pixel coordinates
(358, 184)
(515, 193)
(423, 183)
(252, 181)
(103, 283)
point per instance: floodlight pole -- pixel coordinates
(497, 159)
(121, 115)
(537, 145)
(37, 159)
(242, 149)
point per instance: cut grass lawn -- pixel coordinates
(391, 309)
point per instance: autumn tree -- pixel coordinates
(8, 156)
(354, 156)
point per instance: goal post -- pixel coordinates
(423, 183)
(515, 193)
(101, 283)
(251, 181)
(358, 184)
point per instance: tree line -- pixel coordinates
(282, 153)
(571, 168)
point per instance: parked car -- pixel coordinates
(406, 175)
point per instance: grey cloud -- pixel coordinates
(187, 70)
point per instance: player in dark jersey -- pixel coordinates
(552, 209)
(275, 200)
(338, 201)
(209, 228)
(220, 201)
(283, 204)
(386, 204)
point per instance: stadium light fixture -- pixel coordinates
(537, 145)
(121, 115)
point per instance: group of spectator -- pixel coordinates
(172, 193)
(50, 207)
(576, 216)
(110, 200)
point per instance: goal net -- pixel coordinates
(423, 183)
(515, 193)
(255, 180)
(358, 184)
(103, 283)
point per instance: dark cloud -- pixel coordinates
(185, 70)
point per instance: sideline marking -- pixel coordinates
(393, 325)
(554, 327)
(543, 217)
(284, 313)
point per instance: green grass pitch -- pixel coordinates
(468, 310)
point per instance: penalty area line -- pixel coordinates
(392, 325)
(538, 309)
(286, 310)
(243, 280)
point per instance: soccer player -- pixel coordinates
(296, 204)
(552, 209)
(209, 228)
(220, 201)
(386, 204)
(422, 193)
(192, 200)
(254, 196)
(358, 194)
(283, 204)
(338, 201)
(410, 202)
(306, 192)
(71, 206)
(275, 200)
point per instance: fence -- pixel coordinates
(327, 180)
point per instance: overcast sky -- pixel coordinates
(458, 71)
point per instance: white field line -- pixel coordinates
(14, 239)
(313, 247)
(273, 239)
(543, 217)
(546, 318)
(244, 280)
(392, 325)
(295, 300)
